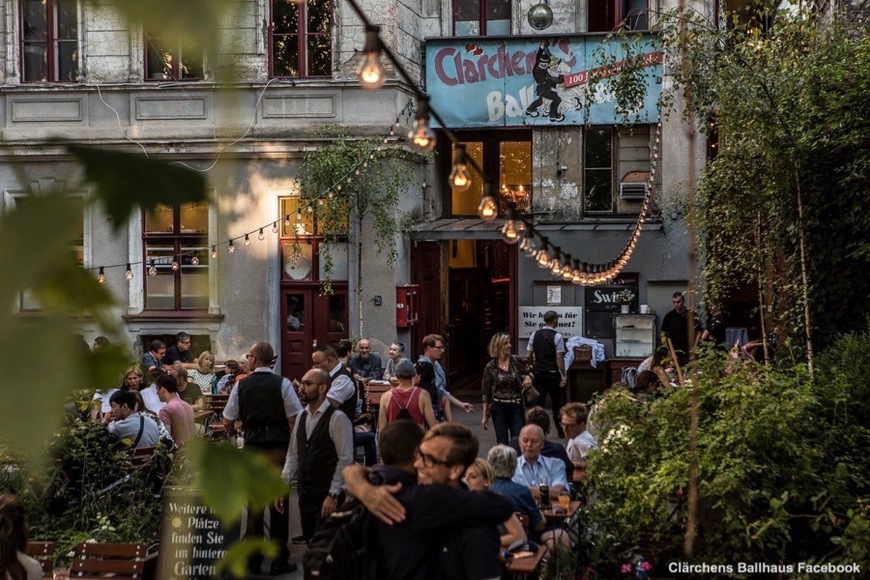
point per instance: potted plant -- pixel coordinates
(624, 298)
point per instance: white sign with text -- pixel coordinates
(532, 318)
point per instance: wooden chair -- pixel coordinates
(42, 552)
(528, 568)
(140, 459)
(214, 427)
(121, 561)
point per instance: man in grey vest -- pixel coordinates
(320, 447)
(546, 355)
(267, 406)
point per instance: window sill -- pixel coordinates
(174, 315)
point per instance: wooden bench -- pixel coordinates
(42, 552)
(121, 561)
(140, 459)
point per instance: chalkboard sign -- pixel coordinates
(192, 538)
(600, 302)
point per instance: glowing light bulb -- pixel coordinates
(509, 232)
(261, 236)
(232, 248)
(543, 258)
(101, 277)
(194, 261)
(128, 273)
(152, 269)
(488, 208)
(275, 227)
(174, 265)
(421, 136)
(214, 252)
(529, 245)
(247, 240)
(371, 73)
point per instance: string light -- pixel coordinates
(509, 232)
(274, 227)
(421, 136)
(194, 261)
(488, 208)
(101, 277)
(214, 252)
(371, 73)
(247, 240)
(128, 273)
(460, 178)
(261, 236)
(232, 248)
(152, 269)
(174, 264)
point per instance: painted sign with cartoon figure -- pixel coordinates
(535, 81)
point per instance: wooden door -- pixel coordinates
(309, 319)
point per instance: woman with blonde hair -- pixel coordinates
(505, 378)
(479, 477)
(204, 375)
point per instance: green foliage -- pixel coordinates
(230, 479)
(782, 97)
(783, 471)
(125, 180)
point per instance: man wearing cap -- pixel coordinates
(405, 395)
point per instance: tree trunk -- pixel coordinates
(805, 285)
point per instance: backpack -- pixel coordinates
(344, 548)
(404, 413)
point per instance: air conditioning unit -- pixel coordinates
(632, 191)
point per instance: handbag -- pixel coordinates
(531, 395)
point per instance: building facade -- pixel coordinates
(246, 109)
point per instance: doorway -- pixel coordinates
(477, 301)
(308, 319)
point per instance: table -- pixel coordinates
(555, 518)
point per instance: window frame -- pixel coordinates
(177, 54)
(181, 242)
(482, 19)
(302, 35)
(625, 163)
(52, 41)
(311, 237)
(621, 16)
(491, 146)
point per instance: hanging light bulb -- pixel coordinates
(488, 208)
(101, 277)
(261, 236)
(543, 258)
(556, 264)
(371, 73)
(275, 227)
(214, 252)
(152, 269)
(509, 232)
(128, 273)
(174, 265)
(421, 136)
(529, 244)
(460, 178)
(194, 261)
(232, 248)
(287, 218)
(247, 240)
(298, 215)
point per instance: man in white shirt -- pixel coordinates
(533, 469)
(320, 447)
(573, 418)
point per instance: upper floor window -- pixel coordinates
(607, 15)
(171, 59)
(507, 154)
(49, 41)
(300, 39)
(175, 242)
(616, 165)
(481, 17)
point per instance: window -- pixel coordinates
(175, 242)
(306, 255)
(616, 165)
(172, 59)
(481, 17)
(607, 15)
(49, 41)
(507, 154)
(16, 200)
(300, 39)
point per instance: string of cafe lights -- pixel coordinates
(517, 227)
(175, 262)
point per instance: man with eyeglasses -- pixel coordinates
(430, 527)
(320, 447)
(267, 406)
(179, 352)
(434, 379)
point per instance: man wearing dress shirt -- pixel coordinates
(320, 447)
(534, 469)
(267, 406)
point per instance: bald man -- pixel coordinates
(533, 469)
